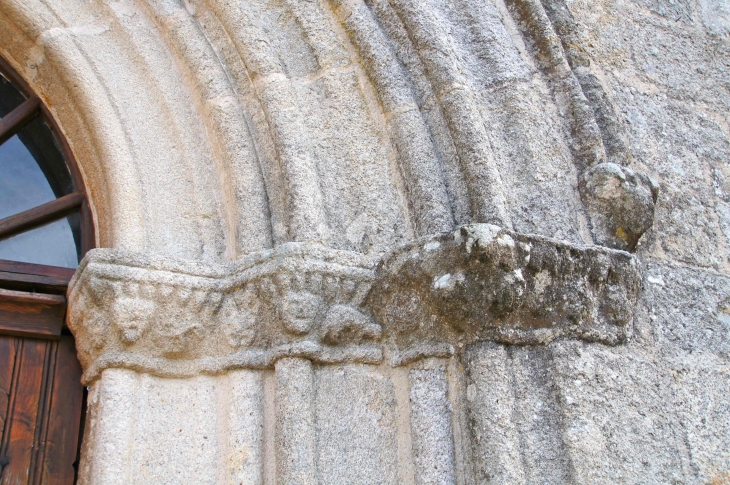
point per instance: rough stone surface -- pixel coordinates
(149, 429)
(249, 163)
(431, 428)
(491, 401)
(295, 422)
(176, 318)
(356, 426)
(620, 203)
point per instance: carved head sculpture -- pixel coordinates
(345, 325)
(298, 310)
(131, 314)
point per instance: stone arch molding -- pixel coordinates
(345, 182)
(213, 129)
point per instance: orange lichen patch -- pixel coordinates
(622, 234)
(721, 479)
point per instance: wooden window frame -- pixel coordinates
(63, 206)
(32, 320)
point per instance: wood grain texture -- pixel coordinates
(41, 400)
(36, 278)
(44, 405)
(88, 234)
(8, 347)
(64, 418)
(33, 283)
(23, 413)
(36, 269)
(31, 314)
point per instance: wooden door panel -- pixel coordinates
(22, 420)
(7, 366)
(41, 399)
(43, 415)
(40, 391)
(64, 417)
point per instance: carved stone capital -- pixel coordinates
(486, 283)
(429, 297)
(180, 318)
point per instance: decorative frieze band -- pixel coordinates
(180, 319)
(425, 299)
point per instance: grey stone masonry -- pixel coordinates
(396, 241)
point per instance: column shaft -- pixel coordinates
(295, 436)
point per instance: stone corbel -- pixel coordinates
(487, 283)
(425, 299)
(620, 204)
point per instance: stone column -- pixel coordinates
(176, 354)
(148, 429)
(245, 428)
(431, 428)
(295, 434)
(490, 401)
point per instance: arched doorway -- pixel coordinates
(45, 229)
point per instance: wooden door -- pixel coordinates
(41, 396)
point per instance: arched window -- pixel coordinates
(45, 229)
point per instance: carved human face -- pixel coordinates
(130, 317)
(299, 311)
(130, 330)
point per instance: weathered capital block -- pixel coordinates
(486, 283)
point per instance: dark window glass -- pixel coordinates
(10, 98)
(52, 245)
(23, 184)
(33, 172)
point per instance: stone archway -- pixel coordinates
(339, 235)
